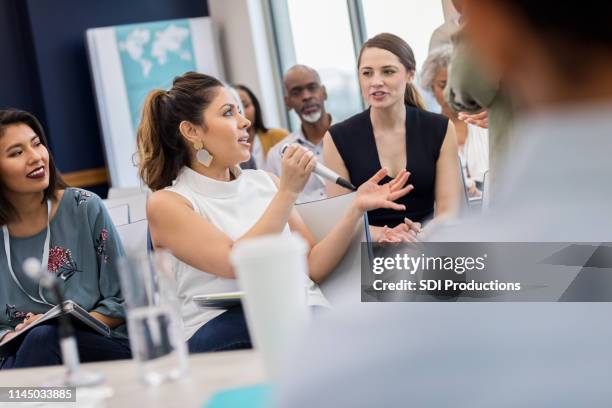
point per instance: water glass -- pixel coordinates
(153, 316)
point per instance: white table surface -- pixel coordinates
(208, 373)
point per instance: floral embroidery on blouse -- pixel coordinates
(13, 315)
(61, 263)
(82, 196)
(101, 245)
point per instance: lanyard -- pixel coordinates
(45, 259)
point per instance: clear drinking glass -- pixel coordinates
(153, 315)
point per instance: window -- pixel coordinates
(327, 34)
(412, 20)
(322, 40)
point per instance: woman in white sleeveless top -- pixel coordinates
(190, 142)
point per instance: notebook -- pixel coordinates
(79, 317)
(219, 300)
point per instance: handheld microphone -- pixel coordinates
(326, 173)
(33, 269)
(65, 329)
(67, 339)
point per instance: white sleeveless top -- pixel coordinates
(233, 207)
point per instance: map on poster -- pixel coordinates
(127, 62)
(151, 56)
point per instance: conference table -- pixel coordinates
(208, 373)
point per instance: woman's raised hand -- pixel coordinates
(480, 119)
(296, 166)
(371, 195)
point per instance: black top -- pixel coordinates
(425, 132)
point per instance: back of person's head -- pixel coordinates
(401, 49)
(439, 58)
(15, 117)
(570, 41)
(588, 22)
(162, 150)
(258, 123)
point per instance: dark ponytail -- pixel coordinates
(162, 150)
(401, 49)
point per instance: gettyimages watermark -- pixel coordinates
(486, 271)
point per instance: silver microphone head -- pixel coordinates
(286, 145)
(33, 268)
(282, 150)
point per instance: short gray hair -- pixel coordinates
(439, 58)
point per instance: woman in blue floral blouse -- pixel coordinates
(71, 229)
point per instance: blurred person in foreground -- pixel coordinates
(472, 140)
(474, 92)
(442, 36)
(480, 98)
(500, 354)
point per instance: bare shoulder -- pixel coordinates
(163, 201)
(450, 138)
(328, 142)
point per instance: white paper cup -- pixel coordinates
(272, 271)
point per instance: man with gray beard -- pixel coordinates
(305, 94)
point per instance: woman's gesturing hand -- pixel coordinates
(480, 119)
(371, 195)
(405, 232)
(296, 166)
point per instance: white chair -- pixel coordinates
(124, 192)
(120, 215)
(137, 206)
(134, 237)
(343, 284)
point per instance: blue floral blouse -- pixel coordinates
(83, 253)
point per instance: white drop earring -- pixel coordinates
(202, 155)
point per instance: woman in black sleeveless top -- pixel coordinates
(396, 132)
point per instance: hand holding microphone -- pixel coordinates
(37, 273)
(74, 376)
(319, 169)
(296, 165)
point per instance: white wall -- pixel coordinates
(249, 58)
